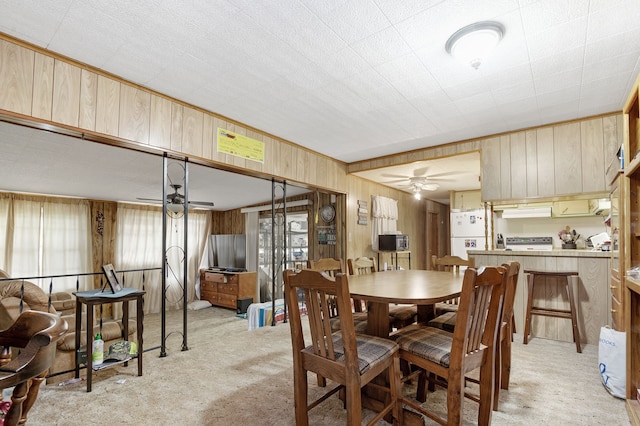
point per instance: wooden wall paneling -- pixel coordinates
(531, 152)
(88, 99)
(108, 106)
(135, 114)
(176, 126)
(505, 167)
(16, 77)
(208, 135)
(192, 131)
(518, 165)
(160, 122)
(256, 165)
(593, 160)
(567, 159)
(546, 172)
(42, 87)
(490, 168)
(66, 94)
(285, 161)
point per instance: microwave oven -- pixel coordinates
(393, 242)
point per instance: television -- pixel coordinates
(228, 252)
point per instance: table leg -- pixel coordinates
(426, 313)
(77, 337)
(89, 344)
(125, 323)
(140, 329)
(378, 319)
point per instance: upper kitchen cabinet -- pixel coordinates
(561, 160)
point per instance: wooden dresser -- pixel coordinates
(225, 288)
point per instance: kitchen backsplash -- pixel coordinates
(549, 227)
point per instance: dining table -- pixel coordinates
(418, 287)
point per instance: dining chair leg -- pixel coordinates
(505, 353)
(455, 395)
(486, 394)
(497, 374)
(354, 405)
(301, 397)
(421, 390)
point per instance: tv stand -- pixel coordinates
(225, 288)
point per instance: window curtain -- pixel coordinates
(384, 212)
(6, 237)
(67, 224)
(47, 236)
(139, 245)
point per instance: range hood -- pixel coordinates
(526, 212)
(601, 207)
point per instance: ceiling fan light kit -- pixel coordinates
(473, 43)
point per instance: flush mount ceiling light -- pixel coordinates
(471, 44)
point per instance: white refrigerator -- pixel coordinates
(467, 232)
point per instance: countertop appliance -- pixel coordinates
(529, 243)
(393, 242)
(467, 232)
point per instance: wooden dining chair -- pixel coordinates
(350, 360)
(450, 263)
(447, 322)
(33, 337)
(471, 346)
(505, 332)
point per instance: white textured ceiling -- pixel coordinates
(354, 79)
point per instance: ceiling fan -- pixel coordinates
(420, 181)
(175, 200)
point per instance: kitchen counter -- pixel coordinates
(548, 253)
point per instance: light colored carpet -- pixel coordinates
(231, 376)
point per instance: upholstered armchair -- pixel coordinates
(34, 298)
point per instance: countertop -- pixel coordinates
(550, 253)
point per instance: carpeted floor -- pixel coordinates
(231, 376)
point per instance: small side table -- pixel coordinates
(97, 297)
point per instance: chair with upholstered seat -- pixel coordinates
(471, 346)
(447, 322)
(350, 360)
(33, 337)
(450, 263)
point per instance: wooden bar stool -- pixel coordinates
(552, 312)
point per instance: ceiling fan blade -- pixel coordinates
(443, 174)
(202, 203)
(155, 200)
(391, 175)
(420, 172)
(395, 181)
(430, 187)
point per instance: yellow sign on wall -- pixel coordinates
(240, 145)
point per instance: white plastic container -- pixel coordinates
(97, 352)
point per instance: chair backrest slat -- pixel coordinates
(480, 305)
(451, 263)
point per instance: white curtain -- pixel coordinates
(384, 212)
(6, 237)
(66, 242)
(47, 236)
(139, 245)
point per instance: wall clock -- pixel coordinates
(328, 213)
